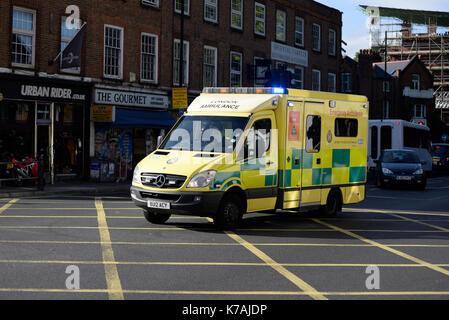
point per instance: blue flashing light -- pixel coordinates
(278, 91)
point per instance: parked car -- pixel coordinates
(400, 167)
(440, 156)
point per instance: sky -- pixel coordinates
(355, 26)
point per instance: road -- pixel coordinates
(395, 245)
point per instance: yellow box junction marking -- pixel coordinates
(110, 268)
(386, 248)
(8, 205)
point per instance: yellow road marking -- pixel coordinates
(224, 244)
(219, 264)
(301, 284)
(420, 222)
(8, 205)
(386, 248)
(112, 277)
(88, 217)
(419, 213)
(232, 293)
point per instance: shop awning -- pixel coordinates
(129, 118)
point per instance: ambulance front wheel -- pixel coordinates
(156, 218)
(333, 204)
(229, 213)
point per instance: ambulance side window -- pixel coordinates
(313, 132)
(258, 141)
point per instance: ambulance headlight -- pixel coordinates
(202, 179)
(136, 175)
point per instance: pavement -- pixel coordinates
(65, 188)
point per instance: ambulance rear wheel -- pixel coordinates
(156, 218)
(229, 213)
(333, 204)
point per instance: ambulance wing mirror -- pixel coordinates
(159, 140)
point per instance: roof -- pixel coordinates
(413, 16)
(392, 67)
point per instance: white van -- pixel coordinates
(398, 134)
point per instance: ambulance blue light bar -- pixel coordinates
(246, 90)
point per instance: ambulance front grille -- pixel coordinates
(162, 181)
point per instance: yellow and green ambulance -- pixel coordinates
(243, 150)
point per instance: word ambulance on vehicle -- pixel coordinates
(243, 150)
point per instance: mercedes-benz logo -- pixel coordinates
(160, 181)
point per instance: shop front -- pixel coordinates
(125, 128)
(45, 119)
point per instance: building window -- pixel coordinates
(211, 10)
(236, 69)
(316, 80)
(419, 111)
(23, 37)
(387, 110)
(416, 82)
(149, 58)
(237, 14)
(67, 34)
(386, 86)
(297, 77)
(280, 25)
(346, 85)
(210, 67)
(299, 31)
(331, 82)
(178, 5)
(259, 19)
(177, 61)
(113, 52)
(332, 49)
(153, 3)
(316, 37)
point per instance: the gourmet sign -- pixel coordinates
(130, 99)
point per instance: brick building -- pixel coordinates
(404, 92)
(111, 109)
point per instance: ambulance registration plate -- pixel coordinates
(159, 204)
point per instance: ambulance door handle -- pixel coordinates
(269, 163)
(318, 161)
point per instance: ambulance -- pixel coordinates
(244, 150)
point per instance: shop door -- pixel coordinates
(44, 138)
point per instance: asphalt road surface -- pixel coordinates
(395, 245)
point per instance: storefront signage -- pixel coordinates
(292, 55)
(179, 96)
(103, 114)
(41, 90)
(130, 99)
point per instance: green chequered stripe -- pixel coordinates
(221, 177)
(354, 160)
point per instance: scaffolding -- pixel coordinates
(412, 33)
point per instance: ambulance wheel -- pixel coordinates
(333, 204)
(156, 218)
(229, 213)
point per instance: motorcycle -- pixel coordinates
(23, 171)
